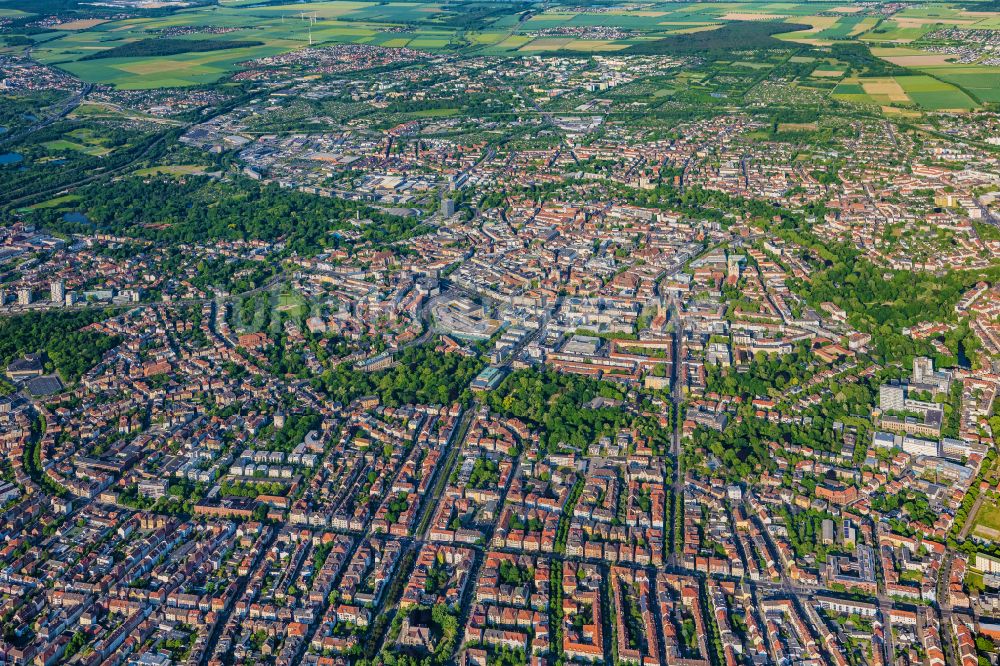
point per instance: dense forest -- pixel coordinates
(748, 34)
(764, 375)
(36, 150)
(164, 46)
(556, 404)
(741, 448)
(420, 376)
(56, 334)
(476, 15)
(35, 183)
(861, 61)
(881, 301)
(17, 111)
(200, 209)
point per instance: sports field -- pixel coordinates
(987, 523)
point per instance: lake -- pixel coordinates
(76, 217)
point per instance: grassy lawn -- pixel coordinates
(173, 169)
(55, 203)
(292, 303)
(989, 514)
(63, 144)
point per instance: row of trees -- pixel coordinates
(251, 489)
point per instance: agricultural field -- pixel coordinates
(981, 82)
(896, 62)
(807, 31)
(921, 91)
(933, 94)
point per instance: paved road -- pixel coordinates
(444, 472)
(424, 314)
(62, 111)
(677, 399)
(988, 215)
(58, 189)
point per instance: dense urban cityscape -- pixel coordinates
(499, 333)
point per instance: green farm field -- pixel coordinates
(507, 29)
